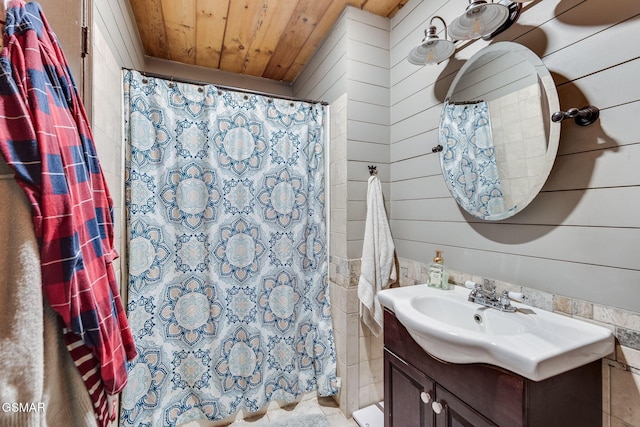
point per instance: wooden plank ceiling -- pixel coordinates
(273, 39)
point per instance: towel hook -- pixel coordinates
(583, 116)
(373, 170)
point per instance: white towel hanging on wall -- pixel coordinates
(378, 269)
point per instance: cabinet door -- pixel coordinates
(408, 394)
(455, 413)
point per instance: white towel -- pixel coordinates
(378, 268)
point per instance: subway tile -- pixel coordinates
(582, 309)
(539, 299)
(364, 348)
(454, 276)
(342, 266)
(333, 269)
(617, 317)
(338, 297)
(338, 247)
(353, 281)
(363, 330)
(339, 318)
(368, 395)
(376, 346)
(339, 221)
(339, 196)
(376, 366)
(628, 338)
(413, 270)
(405, 281)
(353, 353)
(365, 374)
(562, 304)
(354, 267)
(341, 346)
(625, 396)
(353, 303)
(352, 381)
(628, 356)
(341, 369)
(340, 280)
(614, 422)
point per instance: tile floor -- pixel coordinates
(320, 405)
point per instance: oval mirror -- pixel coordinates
(498, 140)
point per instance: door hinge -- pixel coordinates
(85, 41)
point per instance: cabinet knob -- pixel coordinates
(425, 397)
(437, 407)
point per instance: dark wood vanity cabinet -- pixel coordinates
(410, 394)
(478, 395)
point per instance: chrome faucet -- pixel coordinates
(486, 295)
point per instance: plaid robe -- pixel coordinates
(45, 137)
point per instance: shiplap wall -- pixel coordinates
(354, 59)
(113, 19)
(581, 236)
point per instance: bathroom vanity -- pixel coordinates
(420, 390)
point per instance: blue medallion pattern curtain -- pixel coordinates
(468, 158)
(228, 283)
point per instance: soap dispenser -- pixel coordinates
(438, 275)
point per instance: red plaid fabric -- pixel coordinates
(45, 137)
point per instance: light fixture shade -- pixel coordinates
(479, 20)
(431, 52)
(433, 49)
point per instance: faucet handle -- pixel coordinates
(504, 299)
(517, 296)
(505, 302)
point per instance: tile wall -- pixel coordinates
(359, 353)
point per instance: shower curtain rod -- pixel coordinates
(229, 88)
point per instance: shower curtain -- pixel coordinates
(468, 158)
(228, 283)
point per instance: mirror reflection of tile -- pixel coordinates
(517, 122)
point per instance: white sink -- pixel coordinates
(534, 343)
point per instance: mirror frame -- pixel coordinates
(547, 90)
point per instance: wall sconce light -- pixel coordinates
(433, 49)
(486, 20)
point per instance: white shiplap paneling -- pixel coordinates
(114, 20)
(365, 54)
(580, 234)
